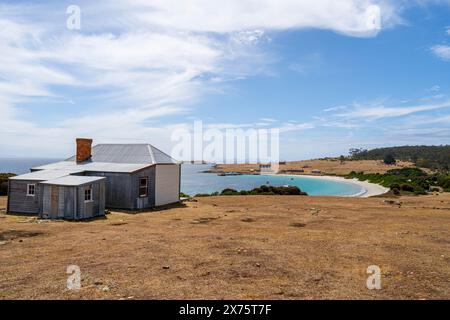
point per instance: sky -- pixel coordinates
(331, 75)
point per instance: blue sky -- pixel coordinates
(138, 70)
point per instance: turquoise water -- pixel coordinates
(194, 181)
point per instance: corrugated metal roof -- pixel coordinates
(129, 153)
(119, 158)
(44, 175)
(73, 180)
(93, 166)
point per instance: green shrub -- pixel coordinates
(262, 190)
(394, 186)
(389, 159)
(229, 192)
(4, 183)
(407, 187)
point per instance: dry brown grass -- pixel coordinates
(254, 247)
(330, 166)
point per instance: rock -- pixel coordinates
(3, 243)
(258, 265)
(318, 278)
(392, 202)
(166, 267)
(105, 289)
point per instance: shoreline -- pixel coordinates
(368, 189)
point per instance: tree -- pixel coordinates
(389, 159)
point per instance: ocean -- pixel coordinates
(194, 180)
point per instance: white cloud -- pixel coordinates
(442, 51)
(380, 111)
(435, 88)
(268, 119)
(351, 17)
(289, 126)
(145, 59)
(334, 108)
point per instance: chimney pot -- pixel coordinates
(84, 148)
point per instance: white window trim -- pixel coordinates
(146, 187)
(28, 189)
(90, 200)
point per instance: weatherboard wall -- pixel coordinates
(149, 200)
(122, 189)
(67, 202)
(19, 201)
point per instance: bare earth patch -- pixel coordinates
(241, 247)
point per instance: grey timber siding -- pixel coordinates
(18, 200)
(118, 189)
(143, 202)
(122, 189)
(70, 202)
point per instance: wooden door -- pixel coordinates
(54, 199)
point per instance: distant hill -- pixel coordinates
(433, 157)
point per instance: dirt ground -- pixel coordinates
(330, 166)
(241, 247)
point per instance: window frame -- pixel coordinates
(28, 189)
(88, 188)
(142, 187)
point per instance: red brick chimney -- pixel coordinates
(84, 147)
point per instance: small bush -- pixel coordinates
(394, 186)
(4, 183)
(229, 192)
(262, 190)
(389, 159)
(407, 187)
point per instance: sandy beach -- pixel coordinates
(368, 189)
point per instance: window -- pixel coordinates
(143, 186)
(31, 190)
(88, 194)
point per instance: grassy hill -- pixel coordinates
(432, 157)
